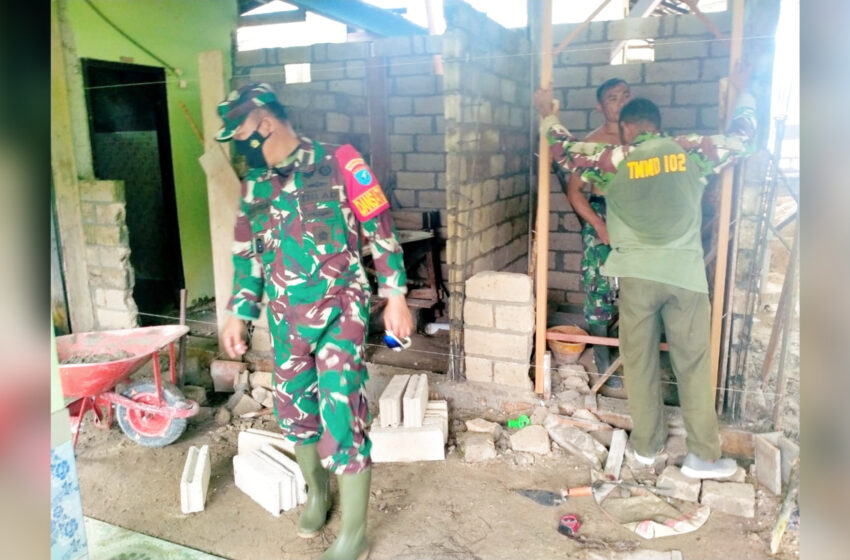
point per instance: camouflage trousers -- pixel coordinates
(599, 295)
(319, 378)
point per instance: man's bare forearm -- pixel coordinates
(580, 204)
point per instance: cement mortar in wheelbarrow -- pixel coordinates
(150, 413)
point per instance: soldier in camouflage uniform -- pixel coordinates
(653, 186)
(298, 241)
(600, 296)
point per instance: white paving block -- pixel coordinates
(195, 480)
(439, 409)
(403, 445)
(415, 401)
(266, 481)
(389, 403)
(290, 465)
(251, 440)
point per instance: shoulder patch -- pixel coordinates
(365, 196)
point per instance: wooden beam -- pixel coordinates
(64, 161)
(223, 185)
(289, 16)
(575, 32)
(376, 98)
(725, 213)
(587, 339)
(543, 176)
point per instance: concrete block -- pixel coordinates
(531, 439)
(515, 317)
(244, 405)
(259, 394)
(616, 450)
(390, 401)
(102, 191)
(479, 369)
(476, 447)
(674, 71)
(437, 411)
(633, 28)
(195, 393)
(512, 374)
(413, 125)
(264, 379)
(477, 313)
(223, 373)
(110, 319)
(733, 498)
(577, 442)
(415, 180)
(481, 426)
(405, 445)
(291, 465)
(629, 72)
(242, 381)
(699, 93)
(431, 143)
(415, 85)
(678, 485)
(195, 480)
(415, 401)
(266, 481)
(500, 286)
(483, 342)
(768, 461)
(425, 162)
(252, 439)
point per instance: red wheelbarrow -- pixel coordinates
(150, 413)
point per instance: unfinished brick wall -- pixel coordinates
(683, 82)
(111, 276)
(332, 107)
(498, 328)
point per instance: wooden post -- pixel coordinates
(725, 212)
(223, 195)
(68, 164)
(543, 176)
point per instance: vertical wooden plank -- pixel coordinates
(65, 174)
(725, 212)
(376, 90)
(543, 176)
(223, 194)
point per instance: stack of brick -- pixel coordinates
(270, 478)
(409, 427)
(682, 81)
(498, 328)
(111, 278)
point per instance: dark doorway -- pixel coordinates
(128, 119)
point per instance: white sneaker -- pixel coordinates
(648, 461)
(694, 467)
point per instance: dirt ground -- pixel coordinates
(428, 510)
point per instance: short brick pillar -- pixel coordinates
(498, 329)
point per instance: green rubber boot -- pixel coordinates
(318, 491)
(351, 543)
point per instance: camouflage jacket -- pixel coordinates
(298, 232)
(598, 163)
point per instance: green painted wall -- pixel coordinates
(175, 31)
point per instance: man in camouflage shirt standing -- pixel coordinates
(653, 186)
(298, 241)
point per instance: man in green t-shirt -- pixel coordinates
(653, 186)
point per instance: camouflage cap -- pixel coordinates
(239, 103)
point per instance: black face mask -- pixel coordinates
(252, 149)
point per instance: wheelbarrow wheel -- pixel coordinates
(151, 430)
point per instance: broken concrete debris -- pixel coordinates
(479, 425)
(531, 439)
(242, 403)
(476, 447)
(676, 485)
(262, 379)
(195, 480)
(223, 373)
(734, 498)
(576, 442)
(195, 393)
(222, 417)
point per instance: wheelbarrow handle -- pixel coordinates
(172, 412)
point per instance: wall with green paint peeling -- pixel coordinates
(176, 32)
